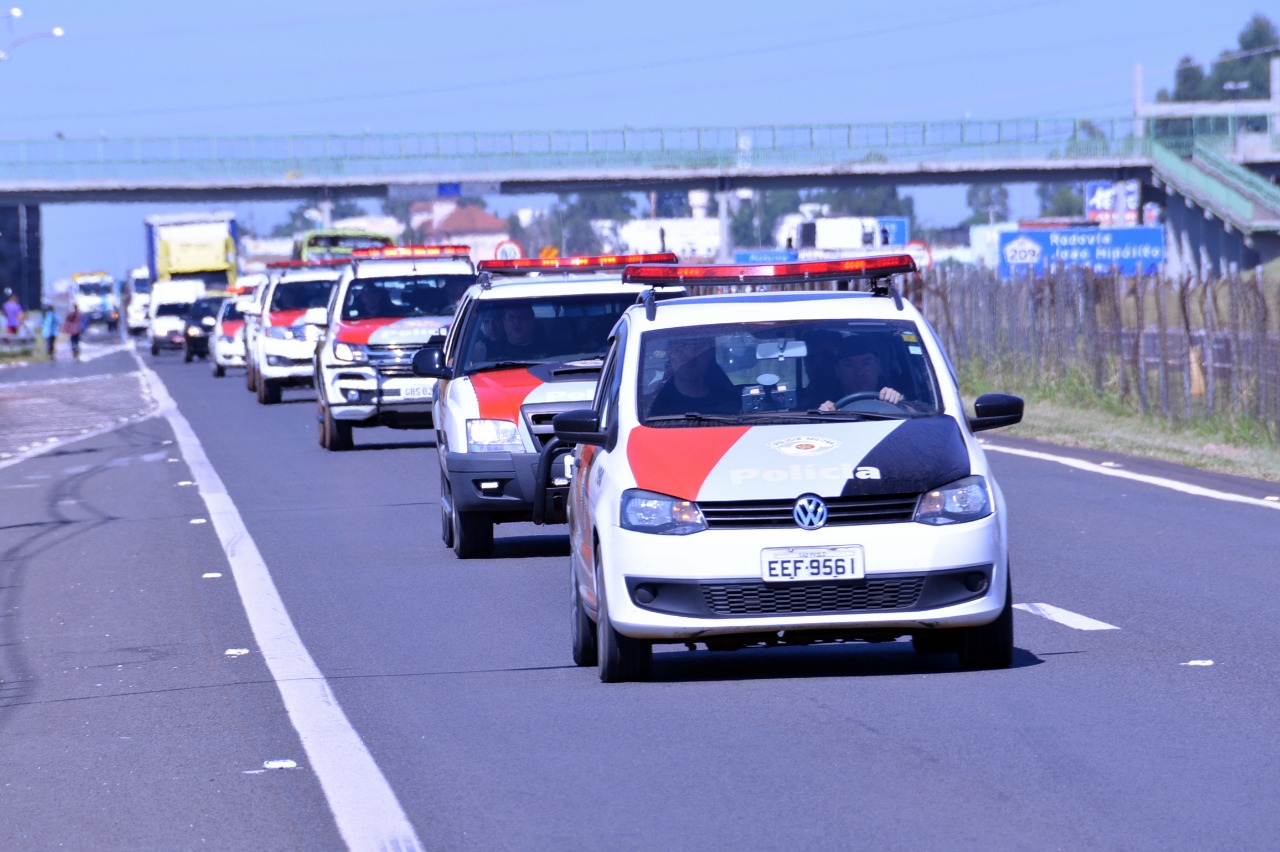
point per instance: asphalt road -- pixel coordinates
(125, 723)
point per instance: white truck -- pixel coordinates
(97, 297)
(167, 312)
(137, 292)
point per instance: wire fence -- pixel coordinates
(1177, 349)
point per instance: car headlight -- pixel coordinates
(285, 332)
(351, 352)
(646, 511)
(960, 501)
(195, 331)
(492, 436)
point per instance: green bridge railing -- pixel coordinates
(248, 158)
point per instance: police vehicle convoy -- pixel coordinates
(526, 344)
(226, 344)
(781, 468)
(389, 303)
(280, 351)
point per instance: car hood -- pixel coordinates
(784, 461)
(390, 331)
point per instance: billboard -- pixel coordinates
(895, 230)
(1112, 202)
(1129, 251)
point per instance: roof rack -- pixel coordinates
(876, 268)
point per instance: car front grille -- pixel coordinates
(538, 416)
(841, 511)
(391, 360)
(800, 598)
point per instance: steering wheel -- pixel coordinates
(857, 397)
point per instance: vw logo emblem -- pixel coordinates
(810, 512)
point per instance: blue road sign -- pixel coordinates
(1129, 251)
(898, 227)
(766, 256)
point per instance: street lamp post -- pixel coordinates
(56, 32)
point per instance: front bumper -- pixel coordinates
(361, 393)
(287, 361)
(495, 483)
(681, 588)
(228, 354)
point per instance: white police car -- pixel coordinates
(781, 468)
(525, 346)
(280, 345)
(389, 303)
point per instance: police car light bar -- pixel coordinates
(875, 266)
(525, 265)
(411, 251)
(307, 264)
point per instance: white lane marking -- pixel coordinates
(284, 763)
(1159, 481)
(212, 575)
(199, 521)
(237, 652)
(1065, 616)
(1197, 663)
(1274, 498)
(364, 806)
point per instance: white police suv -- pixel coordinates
(783, 467)
(526, 344)
(389, 303)
(281, 348)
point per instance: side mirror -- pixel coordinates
(429, 363)
(995, 410)
(580, 426)
(316, 316)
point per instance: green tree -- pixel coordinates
(989, 203)
(298, 221)
(754, 221)
(1060, 199)
(575, 213)
(860, 201)
(1248, 63)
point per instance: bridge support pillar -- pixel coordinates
(20, 269)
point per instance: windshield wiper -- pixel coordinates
(502, 365)
(696, 417)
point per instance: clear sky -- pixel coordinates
(153, 68)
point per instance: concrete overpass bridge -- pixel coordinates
(1213, 167)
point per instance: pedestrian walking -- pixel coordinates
(72, 327)
(49, 323)
(13, 314)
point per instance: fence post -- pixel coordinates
(1139, 346)
(1163, 345)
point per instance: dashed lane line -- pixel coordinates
(1064, 616)
(365, 808)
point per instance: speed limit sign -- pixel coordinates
(508, 250)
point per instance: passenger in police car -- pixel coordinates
(695, 382)
(858, 370)
(521, 338)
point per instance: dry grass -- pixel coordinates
(1074, 426)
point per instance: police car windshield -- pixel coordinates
(408, 296)
(552, 329)
(785, 371)
(230, 311)
(300, 295)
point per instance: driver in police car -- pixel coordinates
(857, 370)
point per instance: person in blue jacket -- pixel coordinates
(49, 325)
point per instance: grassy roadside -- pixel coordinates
(1221, 447)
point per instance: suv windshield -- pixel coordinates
(203, 308)
(300, 295)
(780, 370)
(537, 330)
(230, 311)
(173, 309)
(408, 296)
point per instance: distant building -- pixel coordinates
(444, 221)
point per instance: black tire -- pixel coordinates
(268, 392)
(250, 380)
(991, 645)
(218, 370)
(582, 630)
(446, 519)
(335, 434)
(472, 534)
(188, 356)
(621, 658)
(155, 349)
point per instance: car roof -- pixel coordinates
(396, 267)
(720, 308)
(557, 283)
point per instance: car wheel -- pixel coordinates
(155, 349)
(582, 628)
(188, 356)
(621, 658)
(250, 380)
(991, 645)
(218, 370)
(336, 434)
(268, 392)
(472, 534)
(446, 518)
